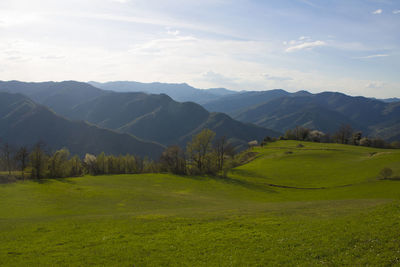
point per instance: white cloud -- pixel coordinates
(375, 85)
(377, 12)
(304, 45)
(373, 56)
(173, 32)
(120, 1)
(397, 11)
(301, 38)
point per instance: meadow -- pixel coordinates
(315, 204)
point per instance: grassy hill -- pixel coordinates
(23, 122)
(264, 213)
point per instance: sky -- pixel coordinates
(350, 46)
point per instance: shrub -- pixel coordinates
(386, 173)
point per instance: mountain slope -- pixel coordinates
(233, 104)
(181, 92)
(59, 96)
(161, 119)
(288, 112)
(326, 111)
(23, 122)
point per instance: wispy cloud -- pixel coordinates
(397, 11)
(120, 1)
(277, 78)
(373, 56)
(172, 32)
(304, 45)
(377, 12)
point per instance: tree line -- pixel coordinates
(345, 134)
(204, 154)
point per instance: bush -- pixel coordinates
(386, 173)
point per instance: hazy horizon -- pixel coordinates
(349, 47)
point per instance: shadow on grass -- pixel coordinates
(232, 181)
(391, 179)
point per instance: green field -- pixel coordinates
(315, 205)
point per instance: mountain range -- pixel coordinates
(87, 119)
(156, 118)
(279, 110)
(181, 92)
(23, 122)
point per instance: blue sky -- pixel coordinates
(348, 46)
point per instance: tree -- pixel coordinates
(301, 133)
(344, 134)
(22, 159)
(316, 136)
(356, 138)
(6, 157)
(90, 163)
(200, 148)
(395, 144)
(220, 146)
(38, 161)
(101, 162)
(252, 143)
(289, 135)
(58, 164)
(173, 160)
(365, 142)
(76, 166)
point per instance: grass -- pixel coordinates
(163, 219)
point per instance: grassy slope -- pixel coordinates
(171, 220)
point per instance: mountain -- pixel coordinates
(391, 100)
(288, 112)
(59, 96)
(161, 119)
(326, 112)
(150, 117)
(23, 122)
(234, 104)
(181, 92)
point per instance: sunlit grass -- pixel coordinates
(163, 219)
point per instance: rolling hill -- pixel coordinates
(23, 122)
(321, 204)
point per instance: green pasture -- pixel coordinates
(320, 204)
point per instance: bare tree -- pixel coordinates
(6, 157)
(173, 160)
(38, 161)
(22, 158)
(344, 134)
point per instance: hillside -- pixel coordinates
(148, 116)
(23, 122)
(263, 213)
(58, 96)
(233, 104)
(161, 119)
(279, 110)
(180, 92)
